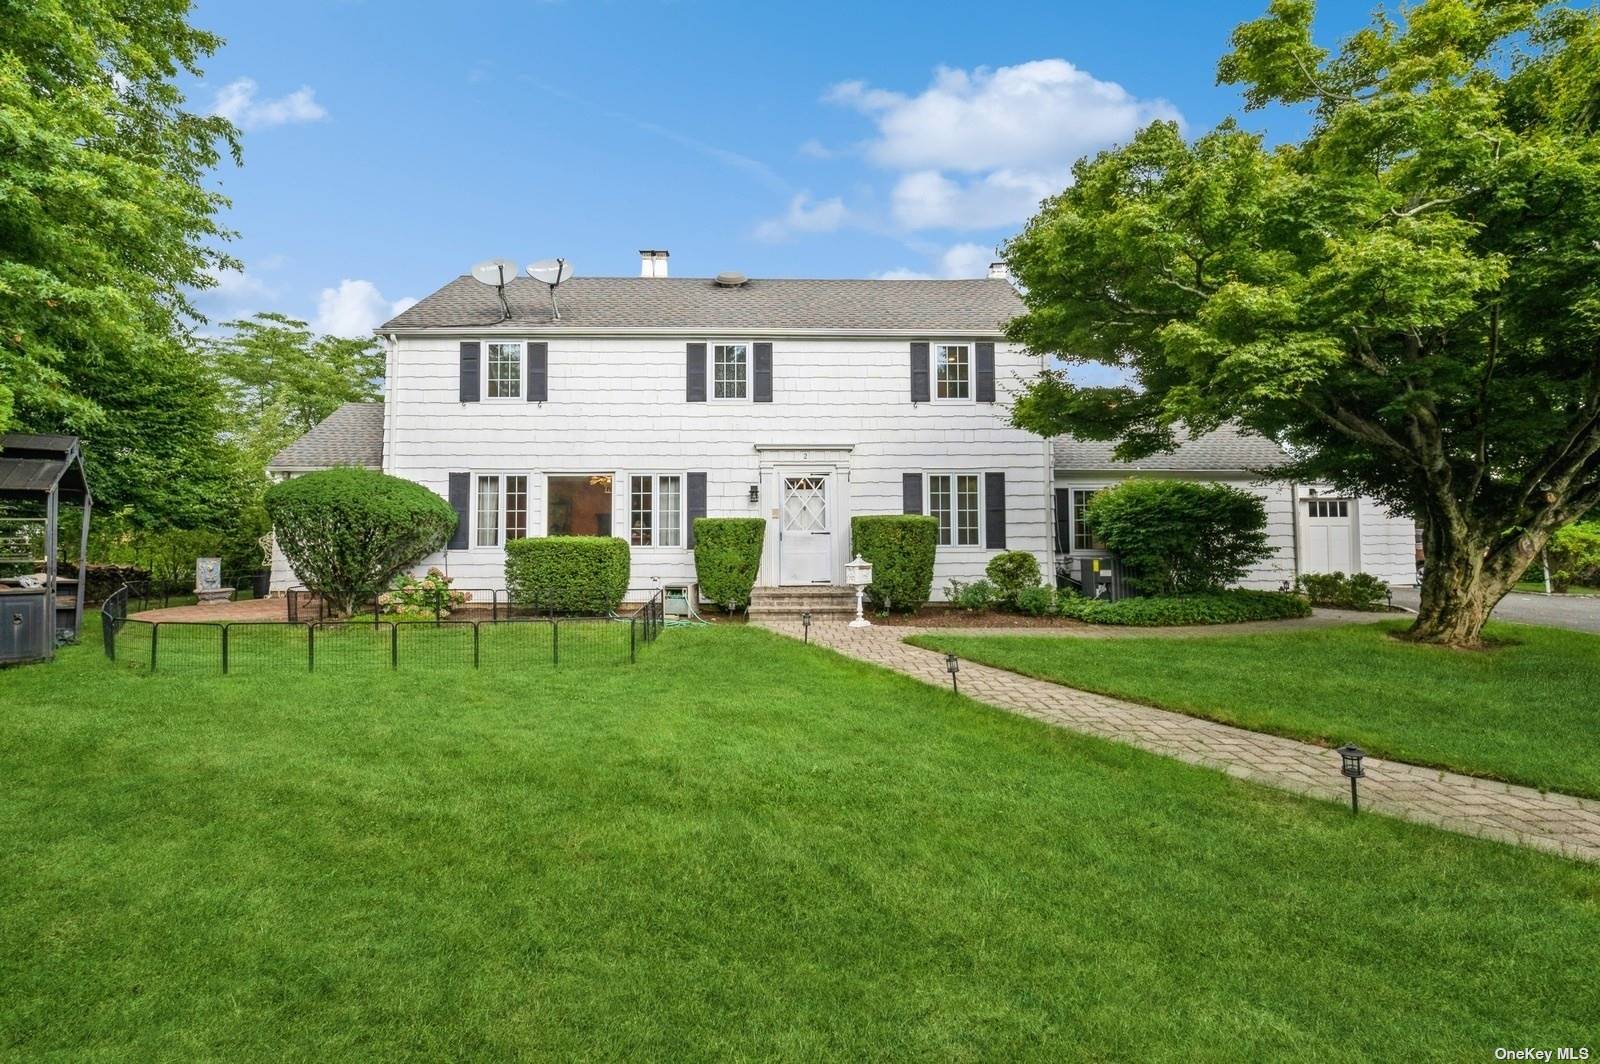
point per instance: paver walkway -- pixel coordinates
(1554, 822)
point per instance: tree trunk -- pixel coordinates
(1462, 584)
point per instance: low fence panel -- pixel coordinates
(350, 646)
(188, 647)
(262, 647)
(425, 645)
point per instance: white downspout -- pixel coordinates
(390, 376)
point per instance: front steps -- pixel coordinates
(821, 599)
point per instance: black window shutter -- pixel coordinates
(994, 510)
(461, 503)
(919, 373)
(762, 375)
(538, 372)
(695, 371)
(1063, 521)
(985, 372)
(911, 493)
(697, 496)
(469, 370)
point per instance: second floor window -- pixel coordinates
(952, 365)
(729, 371)
(953, 500)
(504, 379)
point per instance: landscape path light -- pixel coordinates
(1350, 756)
(805, 622)
(952, 665)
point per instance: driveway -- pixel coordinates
(1581, 613)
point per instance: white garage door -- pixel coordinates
(1329, 542)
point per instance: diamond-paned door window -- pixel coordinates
(805, 504)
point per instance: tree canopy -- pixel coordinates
(1409, 297)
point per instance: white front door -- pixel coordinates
(805, 529)
(1329, 537)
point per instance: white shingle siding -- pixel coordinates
(617, 405)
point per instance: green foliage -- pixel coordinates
(1409, 296)
(347, 532)
(727, 556)
(1574, 556)
(900, 548)
(1217, 607)
(568, 574)
(978, 595)
(421, 596)
(1178, 537)
(108, 222)
(1358, 591)
(1012, 572)
(1036, 601)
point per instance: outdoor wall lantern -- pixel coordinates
(755, 493)
(805, 622)
(858, 574)
(1350, 756)
(952, 665)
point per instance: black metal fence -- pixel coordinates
(155, 593)
(262, 647)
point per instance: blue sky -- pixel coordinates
(388, 146)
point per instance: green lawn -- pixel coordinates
(1537, 586)
(1528, 712)
(738, 847)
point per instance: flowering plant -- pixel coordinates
(421, 595)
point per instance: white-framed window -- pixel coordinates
(955, 500)
(655, 510)
(1082, 538)
(952, 371)
(1327, 507)
(730, 371)
(500, 510)
(502, 369)
(578, 504)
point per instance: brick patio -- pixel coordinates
(1554, 822)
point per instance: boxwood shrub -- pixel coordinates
(1216, 607)
(727, 555)
(1358, 591)
(567, 574)
(900, 548)
(348, 531)
(1012, 572)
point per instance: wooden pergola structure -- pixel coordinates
(38, 607)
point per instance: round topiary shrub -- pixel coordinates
(1180, 537)
(347, 532)
(1012, 572)
(727, 557)
(568, 574)
(900, 548)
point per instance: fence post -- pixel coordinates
(633, 640)
(311, 648)
(555, 640)
(375, 613)
(474, 644)
(155, 637)
(438, 597)
(394, 645)
(494, 605)
(225, 650)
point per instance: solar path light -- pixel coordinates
(1350, 764)
(952, 665)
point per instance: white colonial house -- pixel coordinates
(649, 401)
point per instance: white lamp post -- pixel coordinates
(858, 574)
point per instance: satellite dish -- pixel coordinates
(551, 271)
(496, 272)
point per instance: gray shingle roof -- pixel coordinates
(351, 435)
(1229, 449)
(695, 302)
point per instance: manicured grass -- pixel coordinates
(1537, 587)
(1527, 712)
(738, 847)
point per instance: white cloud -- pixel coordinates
(236, 101)
(1008, 136)
(958, 260)
(355, 308)
(236, 294)
(815, 149)
(805, 215)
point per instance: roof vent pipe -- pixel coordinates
(652, 263)
(730, 279)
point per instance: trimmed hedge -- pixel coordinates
(568, 574)
(900, 548)
(727, 556)
(1358, 591)
(1012, 572)
(1217, 607)
(348, 531)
